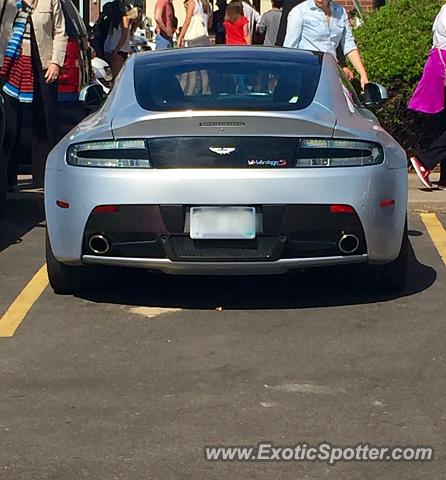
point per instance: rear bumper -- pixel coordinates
(223, 268)
(85, 188)
(163, 232)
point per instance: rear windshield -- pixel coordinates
(226, 84)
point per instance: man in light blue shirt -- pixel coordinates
(322, 26)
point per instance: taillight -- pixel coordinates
(325, 153)
(341, 209)
(70, 74)
(62, 204)
(106, 209)
(109, 154)
(387, 203)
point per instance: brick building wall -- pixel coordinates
(366, 4)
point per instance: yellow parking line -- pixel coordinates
(436, 232)
(23, 303)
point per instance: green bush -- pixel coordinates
(394, 42)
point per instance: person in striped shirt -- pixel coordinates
(32, 53)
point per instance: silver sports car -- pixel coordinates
(228, 160)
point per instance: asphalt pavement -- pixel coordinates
(132, 383)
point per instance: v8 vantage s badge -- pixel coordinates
(268, 163)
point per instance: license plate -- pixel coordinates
(238, 223)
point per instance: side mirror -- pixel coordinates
(374, 94)
(92, 96)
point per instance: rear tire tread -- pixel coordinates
(69, 279)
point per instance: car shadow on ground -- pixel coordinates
(307, 289)
(24, 211)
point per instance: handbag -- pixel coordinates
(197, 28)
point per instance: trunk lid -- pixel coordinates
(234, 140)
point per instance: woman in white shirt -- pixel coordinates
(194, 32)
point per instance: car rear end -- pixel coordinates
(232, 191)
(146, 218)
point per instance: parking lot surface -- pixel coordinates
(132, 383)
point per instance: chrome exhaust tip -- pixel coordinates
(348, 243)
(99, 244)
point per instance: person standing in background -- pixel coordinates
(32, 52)
(252, 15)
(218, 22)
(165, 24)
(237, 33)
(269, 23)
(236, 25)
(135, 19)
(101, 29)
(117, 44)
(287, 6)
(429, 98)
(323, 26)
(194, 32)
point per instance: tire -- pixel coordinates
(391, 277)
(68, 279)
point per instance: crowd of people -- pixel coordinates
(319, 25)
